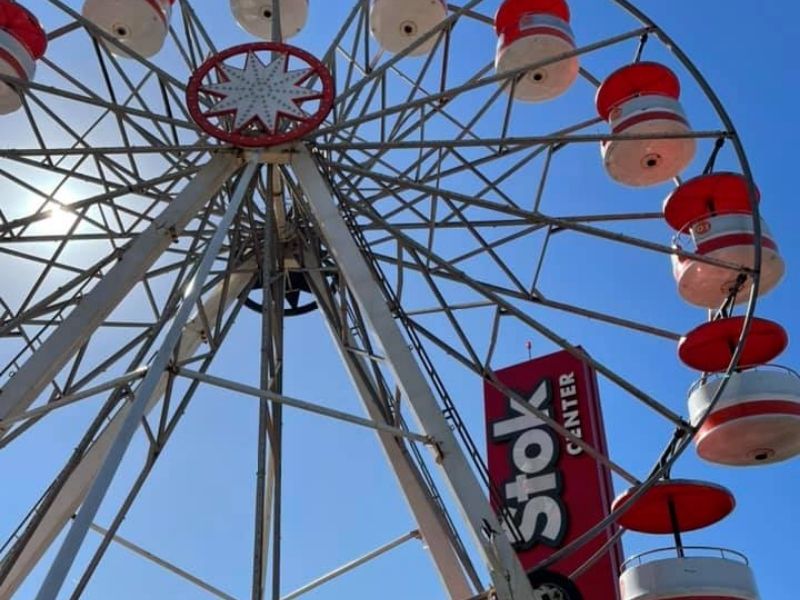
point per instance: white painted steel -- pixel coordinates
(396, 24)
(139, 24)
(255, 17)
(650, 161)
(74, 490)
(48, 360)
(352, 565)
(769, 436)
(429, 521)
(175, 570)
(109, 385)
(506, 571)
(689, 577)
(144, 394)
(299, 404)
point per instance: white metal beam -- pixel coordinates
(412, 535)
(318, 409)
(48, 360)
(75, 487)
(507, 573)
(109, 385)
(430, 523)
(144, 394)
(164, 564)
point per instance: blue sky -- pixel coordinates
(340, 499)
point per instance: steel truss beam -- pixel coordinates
(508, 577)
(269, 484)
(158, 441)
(453, 568)
(48, 360)
(75, 485)
(144, 395)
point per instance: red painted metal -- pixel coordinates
(513, 35)
(706, 196)
(638, 79)
(758, 408)
(709, 347)
(534, 470)
(736, 239)
(268, 138)
(511, 11)
(697, 504)
(646, 117)
(23, 25)
(11, 60)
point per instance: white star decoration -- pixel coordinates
(263, 92)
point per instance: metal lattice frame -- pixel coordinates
(400, 195)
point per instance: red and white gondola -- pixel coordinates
(641, 100)
(684, 572)
(714, 212)
(531, 32)
(22, 43)
(756, 419)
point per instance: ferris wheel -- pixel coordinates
(437, 184)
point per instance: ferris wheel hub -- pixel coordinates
(258, 95)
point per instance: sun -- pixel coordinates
(58, 219)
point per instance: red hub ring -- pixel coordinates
(238, 137)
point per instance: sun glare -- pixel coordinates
(58, 219)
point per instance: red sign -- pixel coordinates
(552, 489)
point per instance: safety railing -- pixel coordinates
(686, 552)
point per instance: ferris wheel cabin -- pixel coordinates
(532, 32)
(684, 572)
(396, 24)
(22, 43)
(756, 420)
(642, 99)
(255, 17)
(723, 577)
(141, 25)
(714, 212)
(757, 417)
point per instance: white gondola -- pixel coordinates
(528, 37)
(255, 16)
(729, 238)
(141, 25)
(756, 421)
(724, 576)
(648, 161)
(396, 24)
(22, 42)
